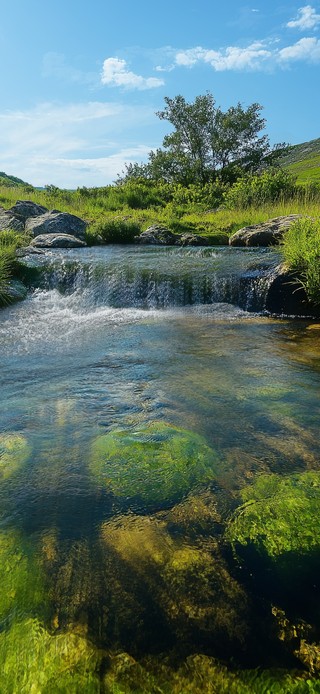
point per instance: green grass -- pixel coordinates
(301, 249)
(9, 242)
(304, 162)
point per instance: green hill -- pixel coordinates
(11, 180)
(304, 161)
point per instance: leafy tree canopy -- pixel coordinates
(208, 143)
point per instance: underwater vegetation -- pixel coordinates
(280, 515)
(153, 466)
(14, 451)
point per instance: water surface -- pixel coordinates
(113, 340)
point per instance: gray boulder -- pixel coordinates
(56, 223)
(158, 235)
(286, 295)
(192, 240)
(9, 221)
(267, 233)
(22, 252)
(27, 208)
(56, 241)
(15, 291)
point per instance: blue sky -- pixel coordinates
(81, 82)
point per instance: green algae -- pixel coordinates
(14, 451)
(185, 586)
(21, 577)
(155, 465)
(199, 674)
(280, 515)
(34, 661)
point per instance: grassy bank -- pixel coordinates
(9, 242)
(115, 214)
(110, 208)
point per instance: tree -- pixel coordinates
(207, 143)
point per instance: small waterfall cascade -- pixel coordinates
(157, 277)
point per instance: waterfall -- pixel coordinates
(157, 278)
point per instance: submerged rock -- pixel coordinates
(33, 660)
(14, 452)
(56, 222)
(21, 577)
(280, 517)
(153, 466)
(53, 240)
(267, 233)
(162, 588)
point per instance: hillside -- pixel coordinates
(11, 180)
(304, 161)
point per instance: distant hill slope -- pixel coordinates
(304, 161)
(11, 180)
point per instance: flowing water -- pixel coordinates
(102, 570)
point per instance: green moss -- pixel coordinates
(199, 674)
(22, 587)
(280, 515)
(14, 451)
(185, 585)
(155, 465)
(34, 661)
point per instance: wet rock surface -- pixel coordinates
(267, 233)
(55, 241)
(287, 296)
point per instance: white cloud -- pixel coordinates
(115, 73)
(72, 145)
(231, 58)
(307, 49)
(307, 18)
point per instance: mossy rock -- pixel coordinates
(200, 674)
(186, 587)
(21, 577)
(154, 466)
(280, 516)
(32, 660)
(14, 451)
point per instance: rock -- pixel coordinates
(55, 241)
(280, 521)
(9, 221)
(153, 466)
(286, 295)
(27, 208)
(267, 233)
(22, 252)
(189, 584)
(159, 235)
(56, 661)
(56, 223)
(15, 291)
(14, 452)
(192, 240)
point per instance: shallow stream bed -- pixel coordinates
(142, 413)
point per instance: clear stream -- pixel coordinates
(115, 339)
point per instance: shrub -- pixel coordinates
(301, 248)
(113, 231)
(270, 186)
(9, 242)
